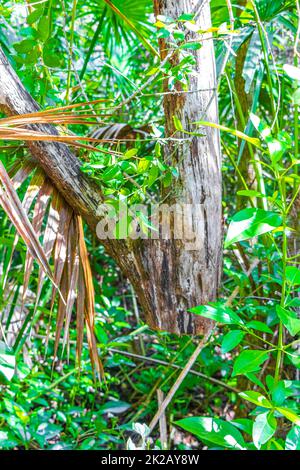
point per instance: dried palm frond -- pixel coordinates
(63, 244)
(63, 237)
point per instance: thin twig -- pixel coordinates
(178, 382)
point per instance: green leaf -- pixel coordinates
(244, 424)
(293, 439)
(289, 319)
(167, 179)
(292, 71)
(231, 340)
(260, 326)
(114, 407)
(25, 46)
(214, 430)
(256, 398)
(130, 153)
(152, 177)
(292, 275)
(264, 428)
(43, 28)
(143, 165)
(234, 132)
(35, 15)
(249, 361)
(279, 393)
(219, 313)
(191, 45)
(296, 97)
(290, 415)
(7, 362)
(249, 223)
(186, 17)
(177, 123)
(250, 193)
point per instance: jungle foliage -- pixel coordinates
(88, 373)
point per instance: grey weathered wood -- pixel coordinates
(167, 276)
(180, 278)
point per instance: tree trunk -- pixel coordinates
(168, 276)
(179, 277)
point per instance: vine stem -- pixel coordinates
(71, 50)
(283, 289)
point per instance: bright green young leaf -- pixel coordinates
(292, 275)
(219, 313)
(250, 193)
(249, 223)
(130, 153)
(249, 361)
(177, 123)
(289, 319)
(256, 398)
(231, 340)
(239, 134)
(290, 415)
(214, 430)
(264, 428)
(293, 439)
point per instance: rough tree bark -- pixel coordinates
(167, 276)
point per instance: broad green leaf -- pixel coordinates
(43, 28)
(289, 319)
(35, 15)
(219, 313)
(292, 71)
(249, 361)
(293, 439)
(7, 362)
(260, 326)
(292, 275)
(114, 407)
(290, 415)
(153, 174)
(244, 424)
(249, 223)
(214, 430)
(264, 428)
(253, 378)
(279, 393)
(25, 46)
(231, 340)
(256, 398)
(276, 146)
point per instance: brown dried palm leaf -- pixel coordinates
(63, 244)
